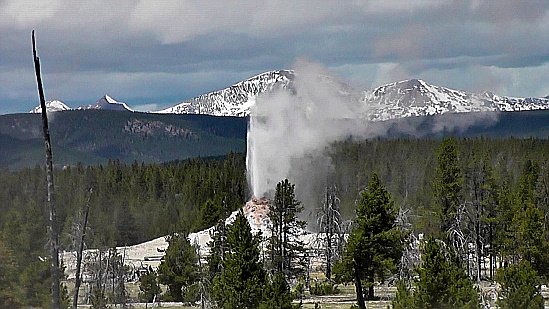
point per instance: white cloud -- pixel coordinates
(146, 107)
(20, 14)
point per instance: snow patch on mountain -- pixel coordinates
(51, 106)
(235, 100)
(417, 98)
(108, 103)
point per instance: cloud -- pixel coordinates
(146, 107)
(237, 37)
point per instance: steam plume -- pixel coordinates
(290, 129)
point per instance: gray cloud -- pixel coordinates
(94, 41)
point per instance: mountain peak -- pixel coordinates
(235, 100)
(414, 82)
(51, 106)
(108, 103)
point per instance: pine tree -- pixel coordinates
(527, 237)
(178, 269)
(148, 286)
(442, 282)
(375, 244)
(242, 280)
(210, 214)
(403, 297)
(218, 249)
(448, 183)
(520, 287)
(8, 288)
(287, 252)
(277, 294)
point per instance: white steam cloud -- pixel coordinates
(291, 129)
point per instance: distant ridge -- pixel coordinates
(108, 103)
(407, 98)
(415, 97)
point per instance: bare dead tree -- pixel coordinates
(82, 231)
(411, 253)
(52, 226)
(205, 301)
(331, 237)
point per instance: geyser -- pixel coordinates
(289, 131)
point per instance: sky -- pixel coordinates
(154, 54)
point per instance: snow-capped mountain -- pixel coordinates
(235, 100)
(107, 102)
(51, 106)
(417, 98)
(406, 98)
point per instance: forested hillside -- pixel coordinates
(96, 136)
(131, 203)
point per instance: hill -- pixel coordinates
(95, 136)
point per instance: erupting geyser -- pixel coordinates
(289, 130)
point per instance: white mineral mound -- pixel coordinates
(150, 253)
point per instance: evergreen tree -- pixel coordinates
(403, 298)
(527, 235)
(218, 249)
(277, 294)
(241, 283)
(148, 286)
(178, 269)
(375, 244)
(8, 287)
(210, 214)
(287, 252)
(519, 287)
(441, 281)
(448, 183)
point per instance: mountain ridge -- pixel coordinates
(412, 97)
(415, 97)
(106, 102)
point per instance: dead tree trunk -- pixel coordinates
(83, 226)
(52, 226)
